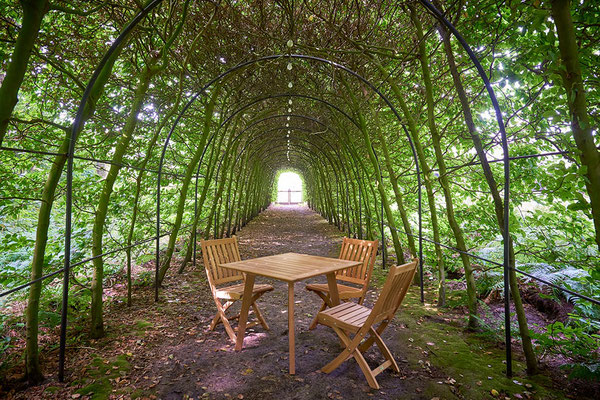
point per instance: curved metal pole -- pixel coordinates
(243, 65)
(78, 123)
(506, 233)
(77, 126)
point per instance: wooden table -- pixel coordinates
(290, 268)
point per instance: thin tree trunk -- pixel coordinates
(397, 194)
(33, 13)
(443, 178)
(208, 115)
(206, 184)
(576, 98)
(531, 361)
(97, 321)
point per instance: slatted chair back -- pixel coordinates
(396, 285)
(358, 250)
(220, 251)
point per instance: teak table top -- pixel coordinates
(290, 267)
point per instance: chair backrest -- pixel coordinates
(396, 285)
(358, 250)
(220, 251)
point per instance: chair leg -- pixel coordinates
(217, 317)
(314, 322)
(343, 356)
(387, 354)
(351, 352)
(362, 363)
(223, 318)
(215, 321)
(370, 340)
(228, 328)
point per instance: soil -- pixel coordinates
(165, 350)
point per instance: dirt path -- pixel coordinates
(164, 350)
(260, 370)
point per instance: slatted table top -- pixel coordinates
(290, 267)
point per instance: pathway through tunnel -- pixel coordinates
(164, 350)
(210, 364)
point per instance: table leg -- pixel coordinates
(246, 302)
(333, 290)
(291, 328)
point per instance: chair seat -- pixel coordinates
(348, 316)
(235, 292)
(345, 292)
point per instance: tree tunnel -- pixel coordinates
(201, 143)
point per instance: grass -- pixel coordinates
(102, 376)
(473, 364)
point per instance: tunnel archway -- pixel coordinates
(329, 154)
(78, 125)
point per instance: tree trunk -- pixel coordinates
(208, 115)
(576, 98)
(97, 322)
(530, 358)
(33, 13)
(443, 178)
(398, 195)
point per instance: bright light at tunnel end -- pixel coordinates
(289, 188)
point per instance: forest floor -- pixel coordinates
(164, 350)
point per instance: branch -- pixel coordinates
(61, 69)
(41, 121)
(82, 13)
(23, 198)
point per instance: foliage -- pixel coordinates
(274, 116)
(579, 341)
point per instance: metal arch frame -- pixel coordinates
(330, 105)
(505, 150)
(242, 65)
(78, 125)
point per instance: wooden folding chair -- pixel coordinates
(352, 318)
(221, 251)
(352, 250)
